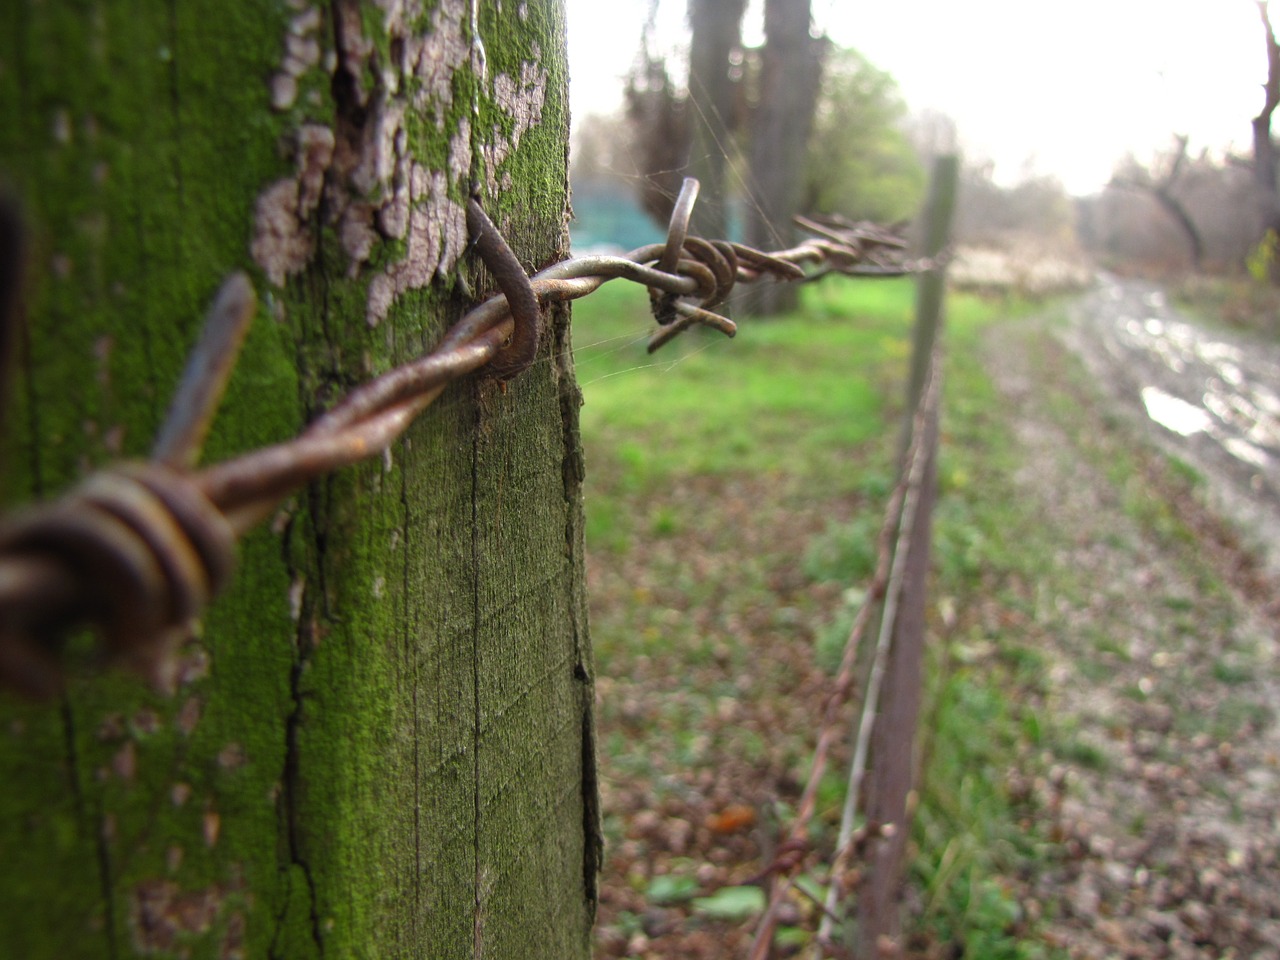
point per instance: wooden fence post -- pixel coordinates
(381, 743)
(891, 775)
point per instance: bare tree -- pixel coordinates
(1128, 225)
(678, 133)
(660, 130)
(1264, 148)
(1161, 182)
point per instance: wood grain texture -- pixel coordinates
(382, 747)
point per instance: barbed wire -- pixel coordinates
(139, 549)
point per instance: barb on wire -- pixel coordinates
(139, 550)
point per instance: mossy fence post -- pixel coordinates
(381, 745)
(892, 773)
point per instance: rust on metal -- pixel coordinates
(518, 353)
(205, 378)
(139, 550)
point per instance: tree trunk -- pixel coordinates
(1161, 189)
(1173, 206)
(1266, 164)
(382, 741)
(1264, 148)
(791, 70)
(716, 27)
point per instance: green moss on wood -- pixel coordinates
(384, 720)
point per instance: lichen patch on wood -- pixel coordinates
(302, 52)
(161, 914)
(374, 186)
(433, 58)
(437, 235)
(283, 238)
(521, 102)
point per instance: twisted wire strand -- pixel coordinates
(139, 550)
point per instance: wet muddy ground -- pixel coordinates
(1212, 397)
(1162, 796)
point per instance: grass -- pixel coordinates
(986, 714)
(790, 428)
(709, 406)
(734, 494)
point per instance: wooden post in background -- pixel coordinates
(893, 755)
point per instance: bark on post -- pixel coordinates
(382, 744)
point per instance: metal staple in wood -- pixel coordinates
(139, 549)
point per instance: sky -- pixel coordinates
(1034, 86)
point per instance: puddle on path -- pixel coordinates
(1175, 414)
(1213, 397)
(1216, 388)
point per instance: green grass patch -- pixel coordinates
(781, 396)
(1232, 672)
(812, 405)
(844, 552)
(1084, 753)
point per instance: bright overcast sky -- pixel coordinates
(1064, 88)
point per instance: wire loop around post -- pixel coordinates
(518, 354)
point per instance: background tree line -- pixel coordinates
(1197, 210)
(791, 125)
(796, 125)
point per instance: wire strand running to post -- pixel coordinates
(139, 549)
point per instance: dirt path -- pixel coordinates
(1163, 790)
(1212, 397)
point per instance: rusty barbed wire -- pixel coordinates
(139, 549)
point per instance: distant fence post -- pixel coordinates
(891, 776)
(931, 284)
